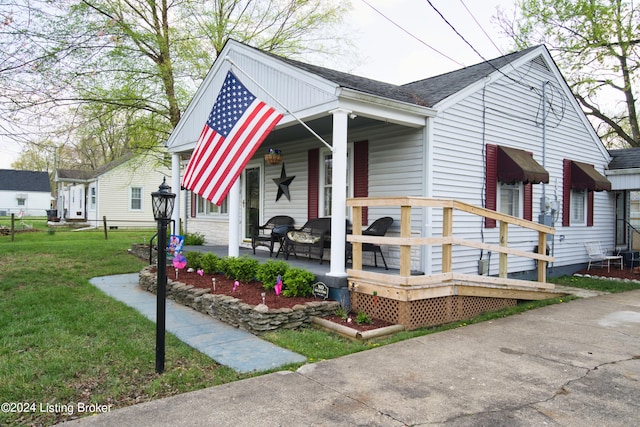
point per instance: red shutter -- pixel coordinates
(528, 202)
(528, 199)
(491, 182)
(589, 208)
(194, 204)
(361, 175)
(566, 192)
(313, 184)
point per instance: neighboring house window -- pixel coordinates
(135, 197)
(578, 207)
(22, 201)
(510, 200)
(207, 208)
(92, 198)
(509, 175)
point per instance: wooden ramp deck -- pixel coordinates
(425, 300)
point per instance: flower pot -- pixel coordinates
(273, 159)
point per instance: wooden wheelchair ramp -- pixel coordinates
(426, 300)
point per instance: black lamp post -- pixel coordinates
(162, 201)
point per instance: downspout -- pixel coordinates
(426, 253)
(543, 206)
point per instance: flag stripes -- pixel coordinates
(237, 125)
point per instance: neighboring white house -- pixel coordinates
(120, 191)
(24, 192)
(506, 134)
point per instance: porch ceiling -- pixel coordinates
(322, 126)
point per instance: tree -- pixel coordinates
(135, 63)
(595, 43)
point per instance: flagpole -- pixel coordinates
(233, 64)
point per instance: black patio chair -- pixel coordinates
(378, 228)
(267, 235)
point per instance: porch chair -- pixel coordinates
(379, 227)
(267, 235)
(313, 238)
(598, 257)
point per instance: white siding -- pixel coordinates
(36, 202)
(113, 193)
(508, 112)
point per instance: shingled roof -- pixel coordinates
(78, 175)
(426, 92)
(19, 180)
(628, 158)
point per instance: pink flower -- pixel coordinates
(200, 272)
(179, 261)
(278, 286)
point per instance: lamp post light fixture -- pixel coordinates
(162, 201)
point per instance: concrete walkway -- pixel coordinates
(229, 346)
(570, 364)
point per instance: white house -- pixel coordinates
(506, 134)
(120, 191)
(24, 192)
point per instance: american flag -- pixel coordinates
(237, 125)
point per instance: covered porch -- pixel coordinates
(415, 299)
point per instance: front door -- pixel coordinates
(251, 198)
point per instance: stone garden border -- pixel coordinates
(256, 319)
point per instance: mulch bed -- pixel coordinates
(251, 293)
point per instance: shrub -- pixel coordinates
(268, 273)
(363, 318)
(194, 239)
(210, 263)
(241, 268)
(342, 313)
(194, 260)
(298, 282)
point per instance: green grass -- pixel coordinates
(611, 286)
(64, 341)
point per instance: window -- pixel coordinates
(580, 182)
(510, 201)
(326, 176)
(510, 175)
(92, 198)
(578, 207)
(205, 207)
(135, 197)
(22, 201)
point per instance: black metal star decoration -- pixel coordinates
(283, 184)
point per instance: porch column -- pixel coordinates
(175, 188)
(234, 219)
(339, 193)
